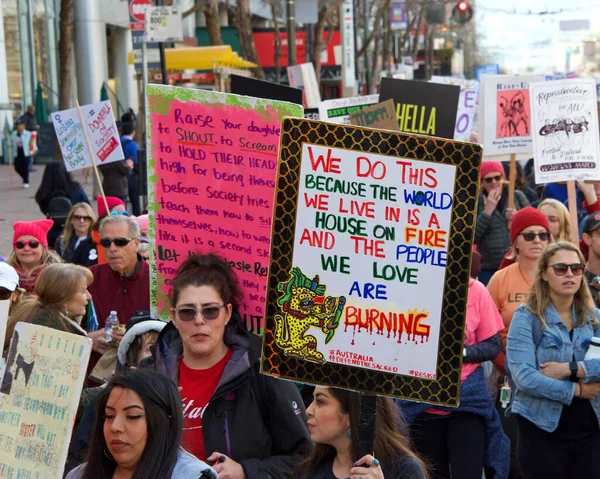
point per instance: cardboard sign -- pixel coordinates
(565, 130)
(303, 77)
(467, 104)
(506, 114)
(212, 167)
(241, 85)
(338, 111)
(39, 395)
(99, 122)
(370, 260)
(423, 108)
(381, 116)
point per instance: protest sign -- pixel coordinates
(39, 394)
(370, 255)
(241, 85)
(338, 110)
(423, 108)
(467, 104)
(303, 77)
(4, 307)
(506, 114)
(99, 122)
(381, 116)
(211, 178)
(488, 69)
(564, 123)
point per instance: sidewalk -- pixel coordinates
(18, 203)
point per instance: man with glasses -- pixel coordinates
(591, 237)
(123, 283)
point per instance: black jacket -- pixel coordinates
(84, 255)
(115, 178)
(257, 420)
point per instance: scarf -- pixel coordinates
(27, 280)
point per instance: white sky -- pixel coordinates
(517, 42)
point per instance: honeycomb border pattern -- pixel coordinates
(445, 390)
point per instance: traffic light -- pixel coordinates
(462, 12)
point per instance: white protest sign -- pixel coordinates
(565, 130)
(338, 110)
(4, 307)
(163, 24)
(102, 133)
(506, 114)
(467, 104)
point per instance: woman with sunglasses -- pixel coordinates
(78, 228)
(249, 424)
(492, 233)
(30, 253)
(556, 399)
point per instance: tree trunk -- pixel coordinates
(244, 26)
(213, 22)
(65, 46)
(277, 31)
(415, 45)
(387, 36)
(374, 73)
(318, 43)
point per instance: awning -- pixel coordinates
(202, 58)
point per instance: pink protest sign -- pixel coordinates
(212, 167)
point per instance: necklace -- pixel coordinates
(529, 282)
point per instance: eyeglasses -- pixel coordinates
(496, 178)
(32, 244)
(120, 242)
(189, 314)
(117, 213)
(560, 269)
(543, 236)
(82, 218)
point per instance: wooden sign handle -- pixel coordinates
(512, 178)
(572, 199)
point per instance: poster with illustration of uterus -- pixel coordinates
(565, 130)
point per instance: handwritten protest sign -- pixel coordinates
(338, 111)
(467, 104)
(381, 116)
(212, 169)
(4, 307)
(39, 395)
(565, 130)
(102, 132)
(423, 108)
(506, 113)
(367, 287)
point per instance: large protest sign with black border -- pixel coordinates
(370, 260)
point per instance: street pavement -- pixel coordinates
(18, 203)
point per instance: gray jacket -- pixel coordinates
(492, 234)
(187, 466)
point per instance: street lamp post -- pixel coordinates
(291, 27)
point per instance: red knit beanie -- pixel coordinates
(38, 229)
(488, 167)
(112, 202)
(525, 218)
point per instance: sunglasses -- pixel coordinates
(32, 244)
(120, 242)
(189, 314)
(560, 269)
(82, 218)
(496, 178)
(543, 236)
(117, 213)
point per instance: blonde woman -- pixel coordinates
(556, 397)
(558, 218)
(78, 229)
(62, 297)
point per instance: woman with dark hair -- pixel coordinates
(253, 424)
(57, 181)
(137, 432)
(333, 425)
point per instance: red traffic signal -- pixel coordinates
(462, 6)
(462, 12)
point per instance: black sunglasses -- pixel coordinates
(497, 178)
(120, 242)
(543, 236)
(32, 244)
(189, 314)
(82, 218)
(561, 268)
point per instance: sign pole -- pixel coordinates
(144, 66)
(512, 177)
(366, 426)
(87, 142)
(572, 199)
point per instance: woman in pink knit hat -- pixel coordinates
(30, 251)
(492, 233)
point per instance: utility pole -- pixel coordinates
(291, 28)
(161, 50)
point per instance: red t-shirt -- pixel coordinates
(197, 387)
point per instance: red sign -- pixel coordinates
(137, 11)
(265, 47)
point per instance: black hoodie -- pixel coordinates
(259, 421)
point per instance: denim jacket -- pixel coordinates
(539, 398)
